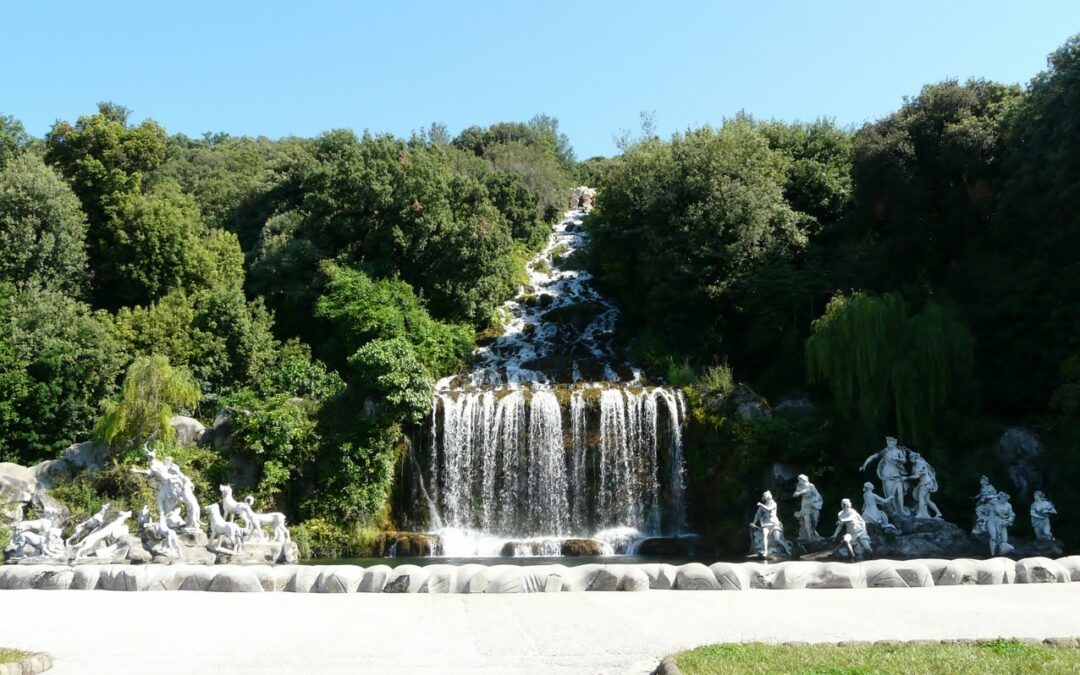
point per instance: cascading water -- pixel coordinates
(552, 437)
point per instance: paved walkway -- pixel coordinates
(192, 632)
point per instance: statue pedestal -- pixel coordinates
(261, 553)
(924, 538)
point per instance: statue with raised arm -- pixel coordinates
(1041, 510)
(767, 528)
(891, 464)
(999, 518)
(983, 504)
(855, 537)
(809, 509)
(926, 484)
(174, 489)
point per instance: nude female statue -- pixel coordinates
(767, 527)
(890, 469)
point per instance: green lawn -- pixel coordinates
(995, 656)
(11, 655)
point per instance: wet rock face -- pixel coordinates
(1023, 455)
(581, 547)
(410, 544)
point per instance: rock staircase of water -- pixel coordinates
(553, 436)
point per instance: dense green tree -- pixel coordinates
(360, 309)
(58, 361)
(13, 139)
(42, 228)
(680, 223)
(892, 369)
(153, 391)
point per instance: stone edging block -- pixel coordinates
(31, 665)
(508, 578)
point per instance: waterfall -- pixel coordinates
(559, 462)
(552, 435)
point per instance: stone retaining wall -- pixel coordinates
(539, 578)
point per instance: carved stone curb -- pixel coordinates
(509, 578)
(31, 665)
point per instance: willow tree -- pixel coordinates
(151, 392)
(886, 366)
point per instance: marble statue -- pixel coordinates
(1041, 510)
(222, 531)
(891, 461)
(274, 519)
(809, 509)
(89, 526)
(983, 504)
(174, 489)
(229, 505)
(767, 527)
(871, 513)
(165, 541)
(926, 485)
(1000, 516)
(855, 537)
(35, 538)
(104, 536)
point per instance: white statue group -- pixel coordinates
(178, 513)
(897, 466)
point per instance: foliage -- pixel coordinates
(390, 372)
(360, 309)
(13, 139)
(58, 360)
(42, 227)
(681, 223)
(278, 435)
(891, 369)
(321, 538)
(151, 392)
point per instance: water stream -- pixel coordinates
(553, 437)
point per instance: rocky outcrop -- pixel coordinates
(1023, 455)
(542, 578)
(189, 431)
(582, 198)
(410, 545)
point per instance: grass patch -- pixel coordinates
(541, 266)
(577, 261)
(12, 655)
(991, 656)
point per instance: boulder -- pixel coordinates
(634, 579)
(189, 431)
(235, 579)
(668, 547)
(197, 577)
(405, 579)
(1041, 571)
(607, 578)
(506, 579)
(923, 538)
(1023, 455)
(440, 579)
(794, 407)
(375, 579)
(695, 577)
(1071, 565)
(305, 579)
(339, 579)
(85, 577)
(581, 547)
(410, 545)
(17, 487)
(661, 575)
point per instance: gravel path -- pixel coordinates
(190, 632)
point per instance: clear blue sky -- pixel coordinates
(279, 68)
